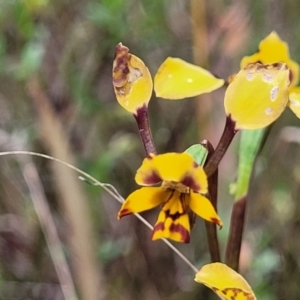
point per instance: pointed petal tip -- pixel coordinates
(123, 212)
(217, 221)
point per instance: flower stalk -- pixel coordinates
(142, 121)
(234, 243)
(225, 141)
(211, 230)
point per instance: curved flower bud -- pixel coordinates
(257, 95)
(177, 79)
(131, 79)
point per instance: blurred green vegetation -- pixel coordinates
(67, 47)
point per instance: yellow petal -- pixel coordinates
(225, 282)
(273, 49)
(177, 79)
(176, 203)
(143, 199)
(294, 103)
(173, 167)
(201, 206)
(131, 80)
(257, 95)
(176, 227)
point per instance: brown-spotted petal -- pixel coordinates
(143, 199)
(172, 167)
(175, 227)
(225, 282)
(131, 80)
(201, 206)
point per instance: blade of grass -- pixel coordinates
(89, 276)
(107, 187)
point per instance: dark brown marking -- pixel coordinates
(120, 66)
(185, 235)
(174, 217)
(158, 227)
(216, 221)
(153, 178)
(190, 182)
(124, 212)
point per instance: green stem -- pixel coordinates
(234, 243)
(226, 139)
(142, 120)
(211, 229)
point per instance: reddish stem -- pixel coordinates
(234, 243)
(226, 139)
(211, 229)
(142, 120)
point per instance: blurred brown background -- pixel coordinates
(56, 98)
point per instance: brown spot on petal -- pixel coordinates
(236, 292)
(195, 165)
(120, 66)
(190, 182)
(151, 179)
(174, 217)
(291, 76)
(217, 221)
(158, 227)
(184, 233)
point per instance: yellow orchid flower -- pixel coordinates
(263, 75)
(175, 79)
(183, 183)
(131, 80)
(225, 282)
(257, 95)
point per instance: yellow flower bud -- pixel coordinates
(131, 80)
